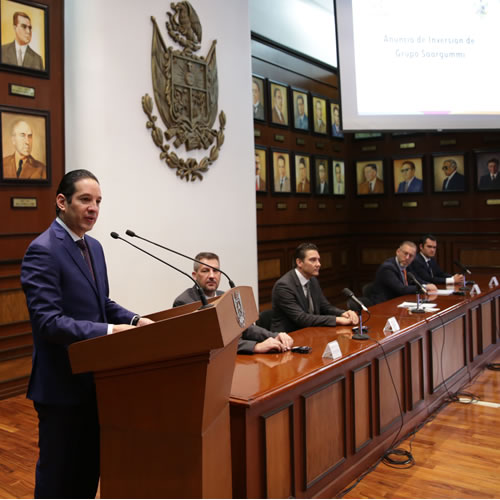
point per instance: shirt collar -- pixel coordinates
(68, 230)
(303, 281)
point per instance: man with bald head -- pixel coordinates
(20, 164)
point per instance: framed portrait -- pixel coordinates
(302, 174)
(300, 103)
(488, 170)
(282, 172)
(408, 175)
(278, 97)
(338, 175)
(335, 120)
(370, 177)
(449, 172)
(322, 178)
(25, 151)
(319, 115)
(364, 136)
(260, 169)
(24, 29)
(259, 98)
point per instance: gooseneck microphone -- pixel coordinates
(462, 267)
(132, 234)
(419, 285)
(351, 295)
(203, 298)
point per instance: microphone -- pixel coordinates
(131, 233)
(462, 267)
(351, 295)
(203, 299)
(419, 285)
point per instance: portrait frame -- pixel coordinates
(38, 51)
(335, 190)
(482, 159)
(274, 86)
(439, 176)
(297, 160)
(261, 153)
(260, 114)
(336, 129)
(39, 122)
(325, 161)
(416, 184)
(362, 185)
(289, 172)
(302, 125)
(320, 112)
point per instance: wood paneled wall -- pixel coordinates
(18, 226)
(353, 235)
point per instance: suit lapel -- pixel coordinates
(299, 290)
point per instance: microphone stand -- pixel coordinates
(418, 309)
(130, 233)
(360, 333)
(203, 299)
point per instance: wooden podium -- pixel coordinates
(163, 392)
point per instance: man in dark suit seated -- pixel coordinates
(298, 301)
(391, 280)
(64, 277)
(254, 339)
(425, 265)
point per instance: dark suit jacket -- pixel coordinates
(32, 169)
(31, 59)
(457, 183)
(485, 182)
(389, 283)
(434, 274)
(65, 306)
(290, 308)
(416, 186)
(251, 336)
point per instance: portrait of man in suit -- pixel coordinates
(449, 173)
(322, 186)
(260, 170)
(489, 179)
(257, 93)
(319, 111)
(300, 110)
(338, 177)
(407, 176)
(20, 51)
(370, 180)
(335, 113)
(279, 114)
(281, 172)
(302, 172)
(19, 139)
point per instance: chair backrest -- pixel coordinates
(265, 318)
(367, 289)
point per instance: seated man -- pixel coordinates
(391, 280)
(254, 339)
(427, 268)
(298, 301)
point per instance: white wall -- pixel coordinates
(107, 71)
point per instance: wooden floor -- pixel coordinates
(457, 454)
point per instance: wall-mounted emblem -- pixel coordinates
(186, 93)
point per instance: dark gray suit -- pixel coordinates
(251, 336)
(290, 308)
(428, 272)
(31, 59)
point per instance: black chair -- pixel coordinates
(265, 318)
(366, 299)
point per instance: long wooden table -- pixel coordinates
(305, 426)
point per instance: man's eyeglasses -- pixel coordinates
(404, 170)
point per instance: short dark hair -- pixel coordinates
(19, 14)
(67, 184)
(301, 250)
(493, 160)
(371, 165)
(205, 256)
(426, 237)
(408, 162)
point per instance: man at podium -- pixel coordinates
(254, 339)
(64, 278)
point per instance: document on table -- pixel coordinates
(445, 291)
(427, 306)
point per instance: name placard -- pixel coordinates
(299, 141)
(21, 90)
(409, 204)
(492, 202)
(256, 132)
(369, 148)
(451, 203)
(321, 206)
(279, 138)
(281, 206)
(302, 206)
(24, 202)
(260, 205)
(407, 145)
(370, 205)
(332, 350)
